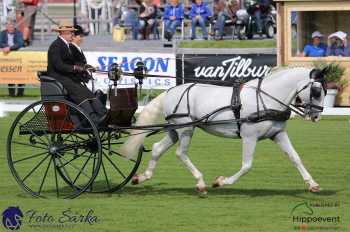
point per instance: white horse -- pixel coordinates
(283, 86)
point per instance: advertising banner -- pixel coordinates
(22, 67)
(161, 64)
(223, 69)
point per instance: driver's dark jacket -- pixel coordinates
(61, 67)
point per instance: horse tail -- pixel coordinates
(148, 115)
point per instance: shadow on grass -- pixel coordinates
(160, 189)
(155, 190)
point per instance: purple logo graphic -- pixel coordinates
(12, 218)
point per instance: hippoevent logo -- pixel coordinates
(313, 216)
(12, 218)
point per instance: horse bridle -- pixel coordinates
(299, 109)
(315, 92)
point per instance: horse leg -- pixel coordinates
(283, 141)
(185, 136)
(248, 148)
(158, 149)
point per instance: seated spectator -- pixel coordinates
(11, 40)
(26, 13)
(130, 20)
(147, 17)
(261, 7)
(224, 11)
(173, 16)
(199, 13)
(338, 44)
(315, 48)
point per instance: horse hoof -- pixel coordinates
(202, 190)
(135, 180)
(218, 182)
(315, 189)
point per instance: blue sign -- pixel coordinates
(153, 64)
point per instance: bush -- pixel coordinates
(334, 74)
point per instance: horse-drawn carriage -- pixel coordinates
(55, 148)
(70, 153)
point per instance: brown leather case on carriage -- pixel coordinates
(123, 106)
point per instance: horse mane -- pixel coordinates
(276, 70)
(289, 67)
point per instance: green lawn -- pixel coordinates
(34, 94)
(261, 201)
(29, 93)
(229, 44)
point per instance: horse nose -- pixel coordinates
(316, 118)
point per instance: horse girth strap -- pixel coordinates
(236, 104)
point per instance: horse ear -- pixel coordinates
(325, 70)
(316, 74)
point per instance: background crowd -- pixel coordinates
(337, 45)
(144, 19)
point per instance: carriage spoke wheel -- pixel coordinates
(116, 170)
(54, 149)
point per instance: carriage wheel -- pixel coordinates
(116, 170)
(54, 149)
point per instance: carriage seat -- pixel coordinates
(50, 88)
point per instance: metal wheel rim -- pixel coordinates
(13, 169)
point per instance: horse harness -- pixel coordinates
(259, 115)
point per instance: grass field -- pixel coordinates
(34, 94)
(29, 93)
(262, 200)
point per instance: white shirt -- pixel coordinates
(65, 41)
(10, 39)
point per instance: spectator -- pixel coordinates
(338, 44)
(147, 17)
(315, 48)
(130, 19)
(199, 13)
(173, 16)
(12, 40)
(26, 13)
(259, 8)
(225, 11)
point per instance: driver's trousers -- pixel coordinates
(82, 96)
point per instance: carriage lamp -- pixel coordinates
(140, 71)
(114, 73)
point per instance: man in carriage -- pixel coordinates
(71, 73)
